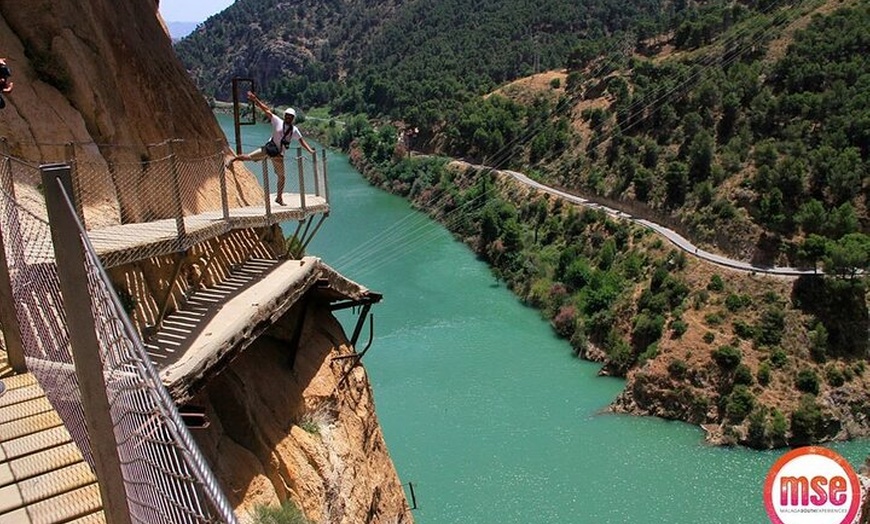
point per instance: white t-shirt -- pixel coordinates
(278, 130)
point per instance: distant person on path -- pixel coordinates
(5, 83)
(283, 132)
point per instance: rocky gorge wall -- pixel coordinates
(297, 425)
(95, 70)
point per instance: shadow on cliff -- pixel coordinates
(841, 307)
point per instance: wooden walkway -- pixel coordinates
(125, 243)
(43, 477)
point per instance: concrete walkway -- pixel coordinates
(674, 237)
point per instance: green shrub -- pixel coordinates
(579, 340)
(757, 431)
(778, 358)
(743, 375)
(778, 430)
(714, 319)
(728, 357)
(771, 327)
(716, 283)
(620, 355)
(763, 375)
(848, 374)
(819, 343)
(834, 376)
(709, 337)
(806, 422)
(678, 368)
(310, 426)
(701, 298)
(771, 297)
(679, 328)
(739, 403)
(647, 329)
(807, 381)
(735, 302)
(743, 330)
(286, 513)
(650, 353)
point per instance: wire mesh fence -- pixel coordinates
(176, 200)
(171, 190)
(165, 478)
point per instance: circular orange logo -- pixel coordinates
(812, 485)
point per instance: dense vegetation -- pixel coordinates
(413, 61)
(760, 156)
(761, 358)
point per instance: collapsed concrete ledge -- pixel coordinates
(237, 322)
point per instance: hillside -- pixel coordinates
(741, 126)
(748, 135)
(754, 144)
(758, 360)
(415, 61)
(280, 45)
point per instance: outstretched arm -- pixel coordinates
(305, 145)
(259, 103)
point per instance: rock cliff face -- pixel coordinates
(98, 81)
(296, 424)
(286, 424)
(96, 70)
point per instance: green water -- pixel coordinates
(490, 415)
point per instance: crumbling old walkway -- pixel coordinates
(80, 376)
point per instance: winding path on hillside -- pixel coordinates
(674, 237)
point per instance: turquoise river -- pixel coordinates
(487, 412)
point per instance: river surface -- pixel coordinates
(487, 412)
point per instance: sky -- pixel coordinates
(191, 10)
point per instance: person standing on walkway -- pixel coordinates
(5, 83)
(283, 132)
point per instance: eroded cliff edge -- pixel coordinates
(297, 424)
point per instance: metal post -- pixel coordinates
(301, 177)
(325, 179)
(236, 124)
(225, 201)
(413, 496)
(316, 176)
(78, 197)
(266, 192)
(9, 316)
(359, 324)
(176, 195)
(73, 277)
(237, 117)
(8, 312)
